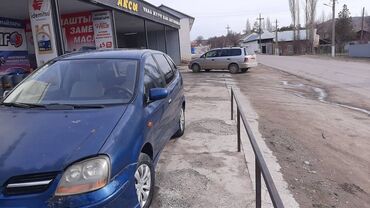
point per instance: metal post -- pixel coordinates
(260, 31)
(115, 32)
(362, 25)
(146, 35)
(238, 129)
(258, 185)
(165, 38)
(333, 32)
(57, 27)
(232, 104)
(277, 39)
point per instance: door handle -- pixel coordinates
(228, 59)
(212, 60)
(170, 101)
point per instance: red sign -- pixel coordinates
(37, 4)
(78, 31)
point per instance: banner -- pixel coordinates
(103, 29)
(13, 46)
(29, 38)
(42, 30)
(78, 31)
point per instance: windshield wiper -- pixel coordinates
(53, 106)
(61, 106)
(23, 105)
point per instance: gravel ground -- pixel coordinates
(203, 168)
(318, 132)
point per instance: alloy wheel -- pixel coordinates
(143, 184)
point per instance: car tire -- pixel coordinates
(245, 70)
(233, 68)
(144, 184)
(196, 68)
(181, 124)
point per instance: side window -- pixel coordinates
(165, 67)
(213, 54)
(225, 52)
(235, 52)
(172, 63)
(152, 77)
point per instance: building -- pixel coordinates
(186, 24)
(290, 46)
(286, 42)
(32, 32)
(252, 42)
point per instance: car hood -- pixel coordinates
(38, 141)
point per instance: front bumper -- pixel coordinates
(120, 192)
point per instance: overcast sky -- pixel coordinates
(212, 16)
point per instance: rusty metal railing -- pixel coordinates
(260, 163)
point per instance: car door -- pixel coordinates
(154, 111)
(178, 95)
(219, 61)
(210, 59)
(165, 68)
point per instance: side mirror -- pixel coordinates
(157, 94)
(6, 93)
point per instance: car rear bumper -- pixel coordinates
(120, 192)
(248, 65)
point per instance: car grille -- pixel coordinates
(29, 184)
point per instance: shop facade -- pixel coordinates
(33, 32)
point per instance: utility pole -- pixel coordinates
(228, 29)
(333, 32)
(276, 39)
(362, 25)
(260, 31)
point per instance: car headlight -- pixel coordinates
(85, 176)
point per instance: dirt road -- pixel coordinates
(318, 126)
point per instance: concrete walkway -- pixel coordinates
(203, 168)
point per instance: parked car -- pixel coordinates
(233, 59)
(87, 130)
(11, 77)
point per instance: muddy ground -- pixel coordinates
(320, 135)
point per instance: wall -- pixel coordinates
(185, 43)
(359, 50)
(251, 46)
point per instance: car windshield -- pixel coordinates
(79, 82)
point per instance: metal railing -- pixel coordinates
(260, 164)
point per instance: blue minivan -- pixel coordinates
(87, 130)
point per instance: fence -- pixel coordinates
(261, 167)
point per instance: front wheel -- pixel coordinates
(195, 68)
(181, 124)
(144, 180)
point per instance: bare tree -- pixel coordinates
(269, 26)
(311, 6)
(298, 25)
(248, 27)
(293, 13)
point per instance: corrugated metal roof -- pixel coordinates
(255, 36)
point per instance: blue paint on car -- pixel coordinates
(76, 131)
